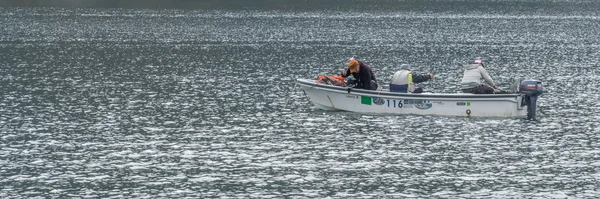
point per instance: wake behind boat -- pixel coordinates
(515, 105)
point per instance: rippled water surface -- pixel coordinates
(202, 102)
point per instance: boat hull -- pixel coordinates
(449, 104)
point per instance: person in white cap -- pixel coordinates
(471, 81)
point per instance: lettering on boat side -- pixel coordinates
(352, 96)
(366, 100)
(409, 103)
(378, 101)
(438, 103)
(424, 105)
(394, 103)
(420, 104)
(463, 103)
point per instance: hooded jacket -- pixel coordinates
(473, 75)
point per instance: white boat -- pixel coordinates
(329, 97)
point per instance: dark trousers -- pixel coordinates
(372, 86)
(481, 89)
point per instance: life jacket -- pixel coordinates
(402, 82)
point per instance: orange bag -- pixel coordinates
(340, 78)
(332, 79)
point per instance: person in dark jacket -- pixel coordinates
(362, 73)
(403, 81)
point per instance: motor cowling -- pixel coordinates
(531, 87)
(529, 91)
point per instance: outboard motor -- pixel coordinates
(529, 91)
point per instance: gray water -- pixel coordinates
(199, 100)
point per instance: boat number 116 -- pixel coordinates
(395, 104)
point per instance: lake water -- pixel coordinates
(199, 100)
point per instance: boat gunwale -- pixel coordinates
(313, 83)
